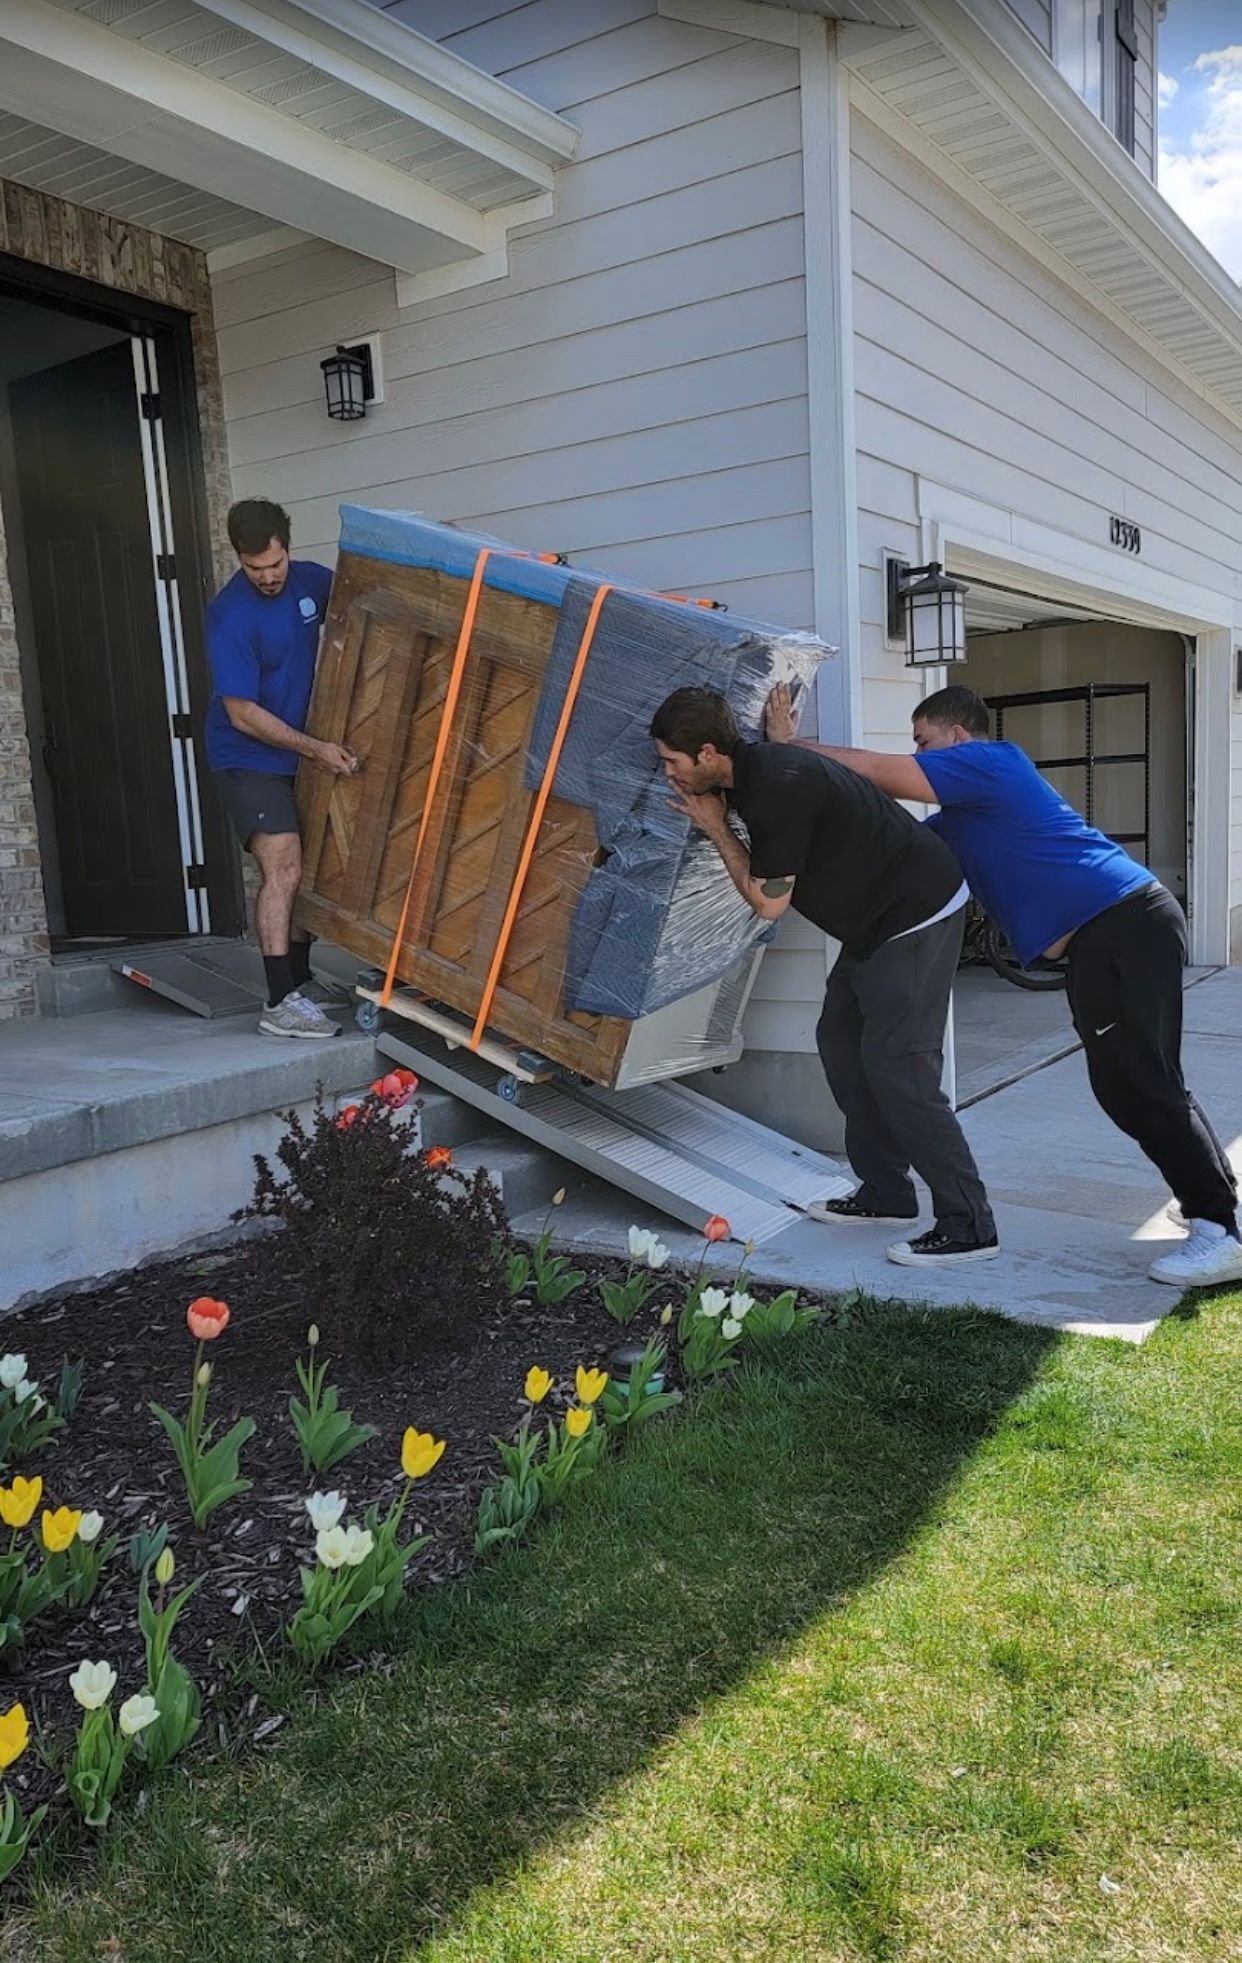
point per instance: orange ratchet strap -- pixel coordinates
(437, 762)
(536, 816)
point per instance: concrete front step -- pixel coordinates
(526, 1175)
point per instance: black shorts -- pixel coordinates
(257, 801)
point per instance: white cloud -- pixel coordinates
(1166, 88)
(1202, 175)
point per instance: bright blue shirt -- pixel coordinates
(263, 650)
(1031, 862)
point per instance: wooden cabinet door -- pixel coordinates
(383, 677)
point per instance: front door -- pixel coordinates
(90, 517)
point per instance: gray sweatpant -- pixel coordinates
(881, 1040)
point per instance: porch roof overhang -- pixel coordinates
(320, 116)
(967, 89)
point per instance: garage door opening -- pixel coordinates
(1104, 708)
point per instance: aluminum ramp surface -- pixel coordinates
(227, 981)
(667, 1145)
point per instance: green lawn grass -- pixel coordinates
(922, 1645)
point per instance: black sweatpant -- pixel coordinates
(1125, 995)
(881, 1041)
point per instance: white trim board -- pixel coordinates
(1008, 549)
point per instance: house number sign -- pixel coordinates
(1121, 532)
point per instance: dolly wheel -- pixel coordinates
(367, 1017)
(510, 1089)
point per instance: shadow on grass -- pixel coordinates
(526, 1692)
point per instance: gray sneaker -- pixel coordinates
(295, 1016)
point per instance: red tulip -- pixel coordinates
(207, 1319)
(717, 1228)
(437, 1157)
(407, 1077)
(347, 1117)
(394, 1090)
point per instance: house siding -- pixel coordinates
(1036, 16)
(633, 393)
(975, 372)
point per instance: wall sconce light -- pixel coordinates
(927, 614)
(349, 382)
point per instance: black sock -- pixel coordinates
(299, 961)
(279, 971)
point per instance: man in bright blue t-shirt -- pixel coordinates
(263, 633)
(1058, 887)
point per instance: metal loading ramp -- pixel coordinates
(665, 1144)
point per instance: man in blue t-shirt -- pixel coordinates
(1058, 887)
(263, 633)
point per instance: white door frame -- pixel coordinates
(968, 537)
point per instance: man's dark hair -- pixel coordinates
(254, 523)
(955, 705)
(691, 717)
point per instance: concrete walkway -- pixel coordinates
(1080, 1211)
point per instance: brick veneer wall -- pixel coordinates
(50, 232)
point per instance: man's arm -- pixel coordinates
(899, 776)
(768, 897)
(260, 723)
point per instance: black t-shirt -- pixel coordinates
(864, 869)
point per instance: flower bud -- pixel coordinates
(203, 1376)
(165, 1568)
(558, 1198)
(666, 1315)
(312, 1336)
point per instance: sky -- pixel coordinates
(1200, 56)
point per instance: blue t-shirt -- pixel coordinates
(1031, 862)
(263, 650)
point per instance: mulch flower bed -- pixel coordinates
(113, 1456)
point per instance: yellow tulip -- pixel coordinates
(419, 1452)
(59, 1529)
(577, 1422)
(590, 1384)
(538, 1384)
(18, 1501)
(14, 1734)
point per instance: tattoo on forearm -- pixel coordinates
(776, 889)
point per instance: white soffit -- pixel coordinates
(969, 92)
(318, 115)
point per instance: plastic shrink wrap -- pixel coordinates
(561, 904)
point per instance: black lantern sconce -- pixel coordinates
(349, 382)
(927, 613)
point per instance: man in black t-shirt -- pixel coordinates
(851, 860)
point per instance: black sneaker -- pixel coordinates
(852, 1208)
(936, 1249)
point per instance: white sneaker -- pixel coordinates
(1208, 1256)
(295, 1016)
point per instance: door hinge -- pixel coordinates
(149, 404)
(182, 726)
(165, 567)
(196, 878)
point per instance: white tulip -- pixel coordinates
(657, 1254)
(740, 1307)
(713, 1302)
(332, 1547)
(90, 1526)
(730, 1329)
(26, 1389)
(326, 1510)
(640, 1243)
(358, 1544)
(12, 1370)
(92, 1684)
(136, 1713)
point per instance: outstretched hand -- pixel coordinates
(780, 718)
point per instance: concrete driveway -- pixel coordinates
(1080, 1211)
